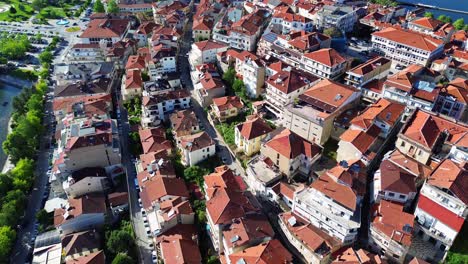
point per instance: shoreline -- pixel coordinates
(8, 165)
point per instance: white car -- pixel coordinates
(154, 256)
(148, 231)
(145, 219)
(139, 202)
(143, 212)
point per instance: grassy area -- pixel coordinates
(459, 251)
(329, 148)
(73, 29)
(21, 11)
(51, 12)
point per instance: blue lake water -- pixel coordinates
(6, 95)
(452, 4)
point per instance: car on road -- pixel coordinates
(148, 231)
(399, 67)
(143, 212)
(145, 219)
(139, 202)
(154, 256)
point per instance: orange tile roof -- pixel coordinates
(328, 57)
(135, 62)
(154, 140)
(133, 79)
(390, 219)
(196, 141)
(351, 256)
(291, 145)
(427, 22)
(425, 128)
(361, 140)
(180, 251)
(458, 88)
(451, 176)
(370, 65)
(226, 204)
(409, 38)
(328, 95)
(223, 177)
(209, 45)
(289, 81)
(384, 110)
(340, 193)
(270, 252)
(410, 165)
(228, 102)
(158, 187)
(183, 122)
(105, 28)
(246, 230)
(395, 179)
(88, 204)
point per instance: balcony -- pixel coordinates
(436, 234)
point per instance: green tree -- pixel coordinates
(333, 32)
(229, 76)
(43, 217)
(459, 23)
(13, 10)
(123, 258)
(46, 57)
(98, 7)
(429, 15)
(7, 240)
(23, 174)
(119, 241)
(195, 174)
(112, 7)
(456, 258)
(6, 183)
(445, 19)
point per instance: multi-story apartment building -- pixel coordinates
(210, 86)
(332, 205)
(83, 53)
(156, 107)
(427, 136)
(284, 87)
(453, 100)
(415, 86)
(342, 17)
(250, 68)
(391, 231)
(85, 181)
(312, 117)
(286, 22)
(205, 52)
(184, 123)
(244, 33)
(442, 205)
(325, 63)
(407, 47)
(376, 68)
(291, 153)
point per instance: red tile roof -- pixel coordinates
(228, 102)
(270, 252)
(428, 23)
(289, 80)
(328, 95)
(247, 229)
(209, 45)
(425, 128)
(88, 204)
(105, 28)
(441, 213)
(97, 257)
(361, 140)
(158, 187)
(179, 251)
(390, 219)
(223, 177)
(226, 204)
(135, 62)
(394, 179)
(133, 79)
(383, 110)
(409, 38)
(370, 65)
(328, 57)
(196, 141)
(183, 122)
(291, 145)
(451, 176)
(254, 127)
(340, 193)
(154, 140)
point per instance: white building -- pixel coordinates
(196, 148)
(342, 17)
(157, 107)
(205, 52)
(325, 63)
(406, 47)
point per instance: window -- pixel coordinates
(402, 143)
(391, 194)
(402, 196)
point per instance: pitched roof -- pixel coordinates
(427, 22)
(395, 179)
(458, 88)
(425, 128)
(88, 204)
(247, 229)
(328, 57)
(270, 252)
(196, 141)
(222, 177)
(390, 219)
(154, 140)
(289, 80)
(80, 242)
(441, 213)
(133, 79)
(410, 38)
(105, 28)
(209, 45)
(340, 193)
(226, 204)
(361, 140)
(384, 110)
(370, 65)
(451, 176)
(228, 102)
(410, 165)
(158, 187)
(96, 257)
(351, 256)
(291, 145)
(180, 251)
(135, 62)
(327, 95)
(183, 121)
(254, 127)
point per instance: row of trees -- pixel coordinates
(458, 24)
(112, 7)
